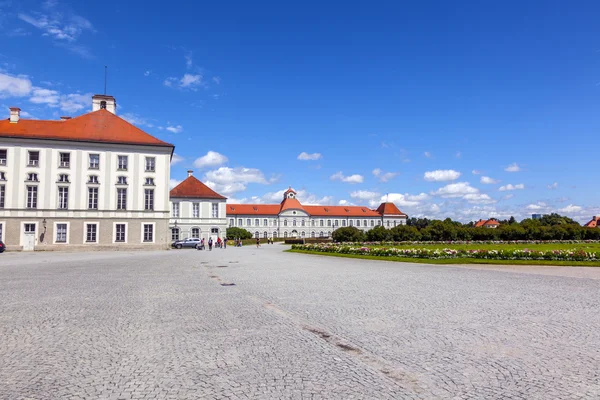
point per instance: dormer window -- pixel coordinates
(149, 182)
(32, 177)
(122, 180)
(63, 178)
(93, 179)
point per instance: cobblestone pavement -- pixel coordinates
(260, 323)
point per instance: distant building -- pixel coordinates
(292, 219)
(197, 211)
(487, 223)
(537, 216)
(594, 223)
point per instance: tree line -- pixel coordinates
(549, 227)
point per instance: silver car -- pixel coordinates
(189, 242)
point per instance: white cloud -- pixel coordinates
(459, 189)
(487, 180)
(188, 81)
(479, 198)
(428, 154)
(173, 183)
(401, 200)
(44, 96)
(570, 209)
(309, 157)
(174, 129)
(147, 73)
(364, 195)
(514, 167)
(519, 186)
(508, 196)
(538, 206)
(188, 60)
(227, 180)
(176, 159)
(14, 86)
(476, 172)
(57, 26)
(339, 176)
(216, 80)
(134, 119)
(441, 175)
(553, 186)
(458, 154)
(74, 102)
(345, 203)
(384, 176)
(210, 159)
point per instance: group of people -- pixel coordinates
(222, 244)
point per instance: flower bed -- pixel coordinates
(456, 242)
(508, 254)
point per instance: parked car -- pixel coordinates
(189, 242)
(2, 246)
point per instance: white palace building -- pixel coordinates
(89, 182)
(292, 219)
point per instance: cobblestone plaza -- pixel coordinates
(261, 323)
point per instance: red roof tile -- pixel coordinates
(593, 223)
(253, 209)
(341, 211)
(98, 126)
(193, 188)
(315, 211)
(389, 209)
(287, 204)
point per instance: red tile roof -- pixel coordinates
(193, 188)
(593, 223)
(253, 209)
(486, 222)
(389, 209)
(98, 126)
(341, 211)
(288, 204)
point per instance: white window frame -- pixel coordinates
(122, 166)
(85, 226)
(147, 205)
(33, 163)
(176, 209)
(2, 196)
(195, 210)
(3, 159)
(67, 236)
(114, 231)
(153, 164)
(192, 232)
(215, 210)
(64, 164)
(27, 204)
(93, 166)
(142, 225)
(89, 197)
(119, 190)
(59, 205)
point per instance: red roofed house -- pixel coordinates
(196, 211)
(290, 218)
(93, 181)
(594, 223)
(489, 223)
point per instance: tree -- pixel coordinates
(512, 220)
(379, 234)
(237, 233)
(348, 234)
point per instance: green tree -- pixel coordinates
(237, 233)
(348, 234)
(379, 234)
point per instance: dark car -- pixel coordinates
(189, 242)
(2, 246)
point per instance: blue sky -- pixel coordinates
(465, 109)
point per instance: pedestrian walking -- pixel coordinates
(210, 243)
(225, 243)
(219, 242)
(257, 243)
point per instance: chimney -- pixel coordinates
(65, 118)
(103, 101)
(190, 172)
(15, 114)
(594, 218)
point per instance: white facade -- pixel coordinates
(197, 218)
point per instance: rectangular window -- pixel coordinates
(350, 222)
(336, 223)
(121, 180)
(121, 199)
(343, 222)
(3, 156)
(122, 163)
(34, 158)
(2, 195)
(149, 199)
(372, 223)
(119, 232)
(175, 210)
(63, 178)
(93, 198)
(93, 179)
(1, 231)
(149, 182)
(63, 198)
(231, 221)
(61, 233)
(321, 222)
(196, 210)
(328, 222)
(240, 222)
(248, 222)
(91, 230)
(32, 177)
(265, 222)
(2, 176)
(29, 228)
(148, 232)
(94, 161)
(257, 222)
(150, 164)
(64, 160)
(32, 196)
(215, 210)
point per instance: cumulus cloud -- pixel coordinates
(173, 183)
(428, 154)
(57, 26)
(339, 176)
(441, 175)
(383, 176)
(345, 203)
(552, 186)
(364, 195)
(570, 209)
(537, 206)
(459, 189)
(187, 81)
(514, 167)
(14, 86)
(176, 159)
(304, 156)
(174, 129)
(478, 198)
(402, 200)
(226, 180)
(476, 172)
(487, 180)
(519, 186)
(210, 159)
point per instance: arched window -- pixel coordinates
(294, 223)
(321, 223)
(265, 234)
(257, 222)
(328, 222)
(195, 232)
(394, 223)
(285, 234)
(313, 222)
(350, 222)
(365, 222)
(312, 234)
(387, 223)
(358, 222)
(303, 234)
(285, 222)
(321, 234)
(103, 105)
(275, 234)
(372, 222)
(337, 223)
(256, 234)
(248, 222)
(175, 234)
(343, 222)
(303, 223)
(328, 233)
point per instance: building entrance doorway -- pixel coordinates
(29, 237)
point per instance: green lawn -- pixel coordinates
(543, 247)
(459, 260)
